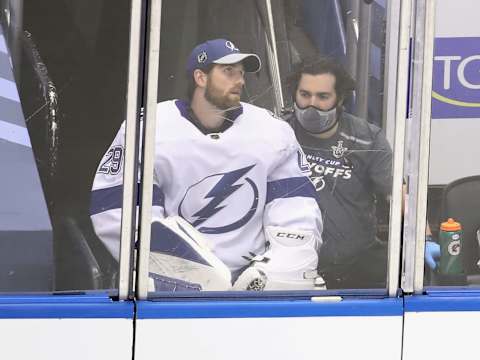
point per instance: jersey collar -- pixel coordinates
(187, 113)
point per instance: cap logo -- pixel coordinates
(202, 57)
(230, 46)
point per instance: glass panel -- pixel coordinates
(234, 207)
(452, 253)
(333, 61)
(63, 70)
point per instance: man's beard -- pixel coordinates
(215, 97)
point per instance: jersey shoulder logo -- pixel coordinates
(220, 203)
(112, 161)
(339, 150)
(302, 162)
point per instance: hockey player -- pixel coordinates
(233, 203)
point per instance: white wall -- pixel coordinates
(300, 338)
(72, 339)
(441, 335)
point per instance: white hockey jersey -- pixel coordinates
(228, 185)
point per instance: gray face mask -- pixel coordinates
(316, 121)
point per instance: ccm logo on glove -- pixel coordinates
(290, 235)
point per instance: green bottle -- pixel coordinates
(451, 248)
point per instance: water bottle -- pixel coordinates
(451, 248)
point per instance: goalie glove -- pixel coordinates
(180, 259)
(289, 263)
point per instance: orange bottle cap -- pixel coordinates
(450, 225)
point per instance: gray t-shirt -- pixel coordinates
(348, 170)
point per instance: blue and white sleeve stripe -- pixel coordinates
(111, 198)
(290, 187)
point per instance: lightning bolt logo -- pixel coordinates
(224, 188)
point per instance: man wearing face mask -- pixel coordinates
(350, 162)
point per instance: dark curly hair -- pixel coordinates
(322, 65)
